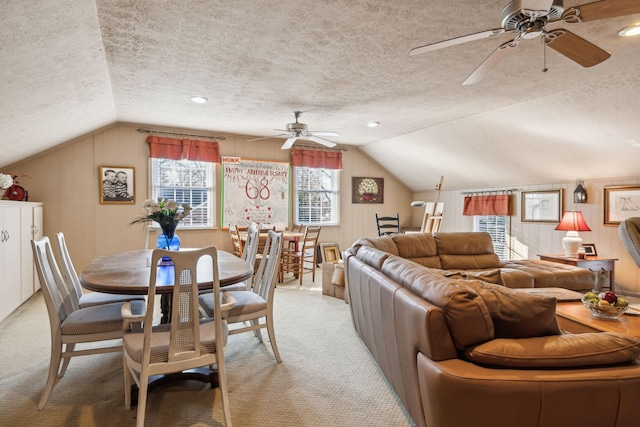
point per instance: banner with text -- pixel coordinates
(255, 191)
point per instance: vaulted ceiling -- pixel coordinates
(69, 67)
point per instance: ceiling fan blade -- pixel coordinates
(288, 143)
(321, 141)
(604, 9)
(575, 48)
(492, 60)
(267, 137)
(458, 40)
(323, 133)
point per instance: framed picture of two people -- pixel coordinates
(117, 184)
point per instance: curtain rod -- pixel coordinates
(159, 132)
(478, 193)
(316, 147)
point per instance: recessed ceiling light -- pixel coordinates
(199, 99)
(373, 124)
(632, 30)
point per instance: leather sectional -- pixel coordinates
(461, 352)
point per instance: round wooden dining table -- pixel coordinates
(129, 272)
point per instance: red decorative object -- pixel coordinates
(16, 192)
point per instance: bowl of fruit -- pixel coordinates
(606, 305)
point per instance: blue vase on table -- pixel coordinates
(168, 240)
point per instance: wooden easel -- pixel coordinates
(433, 212)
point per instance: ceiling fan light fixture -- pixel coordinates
(632, 30)
(198, 99)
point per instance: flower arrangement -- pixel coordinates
(6, 181)
(369, 186)
(165, 212)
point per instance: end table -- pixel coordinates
(594, 263)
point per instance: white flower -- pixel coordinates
(6, 180)
(368, 185)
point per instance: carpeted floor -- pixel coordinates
(327, 377)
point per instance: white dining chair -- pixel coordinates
(186, 342)
(71, 325)
(79, 298)
(255, 304)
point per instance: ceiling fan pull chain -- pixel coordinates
(544, 58)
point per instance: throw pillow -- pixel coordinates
(516, 314)
(467, 316)
(558, 351)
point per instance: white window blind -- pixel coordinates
(498, 228)
(186, 181)
(317, 195)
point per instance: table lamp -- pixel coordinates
(572, 222)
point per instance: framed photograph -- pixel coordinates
(541, 206)
(367, 190)
(330, 252)
(621, 202)
(590, 249)
(117, 184)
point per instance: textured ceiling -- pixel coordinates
(72, 66)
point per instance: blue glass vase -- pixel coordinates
(168, 240)
(170, 243)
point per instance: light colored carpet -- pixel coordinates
(327, 377)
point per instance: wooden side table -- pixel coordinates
(593, 263)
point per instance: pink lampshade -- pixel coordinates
(573, 221)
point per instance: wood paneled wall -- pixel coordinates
(535, 238)
(66, 180)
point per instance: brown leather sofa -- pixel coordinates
(462, 352)
(471, 255)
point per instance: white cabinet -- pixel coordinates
(19, 223)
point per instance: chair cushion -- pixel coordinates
(133, 341)
(97, 319)
(98, 298)
(557, 351)
(246, 302)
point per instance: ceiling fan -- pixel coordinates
(301, 131)
(528, 18)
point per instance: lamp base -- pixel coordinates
(571, 242)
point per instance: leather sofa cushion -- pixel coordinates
(467, 316)
(418, 247)
(489, 276)
(372, 256)
(517, 314)
(558, 351)
(466, 250)
(383, 243)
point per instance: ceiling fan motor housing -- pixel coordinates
(297, 128)
(514, 18)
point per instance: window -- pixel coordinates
(317, 194)
(497, 226)
(186, 181)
